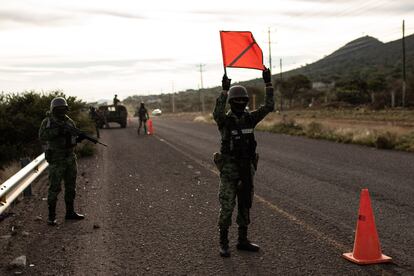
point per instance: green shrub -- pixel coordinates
(406, 142)
(20, 118)
(385, 140)
(85, 149)
(315, 130)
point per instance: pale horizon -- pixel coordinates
(95, 49)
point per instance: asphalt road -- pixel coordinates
(151, 204)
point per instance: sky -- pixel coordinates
(94, 49)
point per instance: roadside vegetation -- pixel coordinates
(393, 129)
(20, 118)
(355, 95)
(374, 135)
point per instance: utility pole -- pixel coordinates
(404, 84)
(270, 51)
(201, 87)
(173, 97)
(280, 90)
(281, 69)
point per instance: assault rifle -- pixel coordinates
(79, 133)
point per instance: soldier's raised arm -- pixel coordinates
(219, 113)
(269, 105)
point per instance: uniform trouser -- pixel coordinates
(142, 122)
(228, 192)
(65, 170)
(97, 129)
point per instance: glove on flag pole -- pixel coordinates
(240, 50)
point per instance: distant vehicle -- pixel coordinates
(156, 112)
(118, 114)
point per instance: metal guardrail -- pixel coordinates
(16, 184)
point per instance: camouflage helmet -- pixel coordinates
(57, 102)
(237, 91)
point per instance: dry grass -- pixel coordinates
(201, 119)
(9, 171)
(362, 127)
(400, 123)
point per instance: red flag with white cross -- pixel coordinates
(240, 50)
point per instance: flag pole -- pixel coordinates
(221, 42)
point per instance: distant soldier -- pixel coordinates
(142, 117)
(237, 160)
(116, 100)
(60, 144)
(104, 115)
(96, 117)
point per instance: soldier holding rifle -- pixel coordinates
(60, 135)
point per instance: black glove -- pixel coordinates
(225, 83)
(267, 76)
(80, 138)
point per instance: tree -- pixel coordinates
(352, 89)
(294, 86)
(376, 84)
(20, 118)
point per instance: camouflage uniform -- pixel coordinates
(237, 160)
(230, 173)
(95, 116)
(61, 158)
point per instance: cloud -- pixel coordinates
(114, 13)
(82, 68)
(241, 13)
(339, 9)
(57, 16)
(92, 63)
(316, 9)
(33, 17)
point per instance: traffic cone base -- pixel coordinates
(382, 259)
(367, 248)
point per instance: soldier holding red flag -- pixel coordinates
(237, 160)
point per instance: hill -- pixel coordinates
(363, 55)
(360, 59)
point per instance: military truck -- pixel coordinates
(110, 113)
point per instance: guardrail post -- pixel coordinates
(23, 162)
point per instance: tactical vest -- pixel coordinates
(64, 141)
(238, 137)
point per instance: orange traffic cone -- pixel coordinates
(367, 249)
(150, 127)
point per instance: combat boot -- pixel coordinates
(71, 214)
(51, 219)
(244, 243)
(224, 242)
